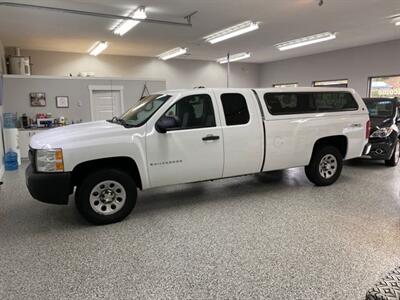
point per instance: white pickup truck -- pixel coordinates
(183, 136)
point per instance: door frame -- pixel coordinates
(111, 88)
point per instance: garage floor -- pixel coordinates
(269, 236)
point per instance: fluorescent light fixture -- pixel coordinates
(337, 83)
(172, 53)
(126, 25)
(305, 41)
(231, 32)
(98, 47)
(234, 57)
(396, 21)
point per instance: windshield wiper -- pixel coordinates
(119, 121)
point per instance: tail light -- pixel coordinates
(368, 129)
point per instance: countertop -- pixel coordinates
(33, 129)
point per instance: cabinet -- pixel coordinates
(24, 139)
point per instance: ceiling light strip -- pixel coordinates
(396, 21)
(234, 57)
(98, 47)
(231, 32)
(97, 14)
(172, 53)
(305, 41)
(126, 25)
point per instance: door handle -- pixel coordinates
(210, 137)
(356, 125)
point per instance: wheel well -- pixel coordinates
(126, 164)
(338, 141)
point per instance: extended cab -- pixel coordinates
(183, 136)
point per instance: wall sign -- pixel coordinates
(62, 101)
(38, 99)
(384, 86)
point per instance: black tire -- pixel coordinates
(394, 159)
(121, 181)
(313, 169)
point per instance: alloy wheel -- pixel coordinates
(328, 166)
(107, 197)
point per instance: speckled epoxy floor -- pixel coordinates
(270, 236)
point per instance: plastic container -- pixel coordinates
(11, 141)
(10, 120)
(11, 161)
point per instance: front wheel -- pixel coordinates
(394, 159)
(325, 166)
(106, 196)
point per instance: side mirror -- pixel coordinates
(166, 123)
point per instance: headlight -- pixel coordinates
(49, 160)
(382, 132)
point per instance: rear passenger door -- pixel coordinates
(242, 130)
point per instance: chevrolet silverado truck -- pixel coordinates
(183, 136)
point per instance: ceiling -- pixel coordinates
(357, 22)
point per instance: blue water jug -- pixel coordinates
(11, 161)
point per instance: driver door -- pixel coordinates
(190, 152)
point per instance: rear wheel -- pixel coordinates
(106, 196)
(325, 166)
(394, 159)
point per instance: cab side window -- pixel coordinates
(235, 109)
(194, 111)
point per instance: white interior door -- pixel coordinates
(106, 104)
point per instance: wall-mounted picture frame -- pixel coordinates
(38, 99)
(62, 101)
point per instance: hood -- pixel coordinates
(380, 122)
(84, 132)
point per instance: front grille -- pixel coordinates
(32, 158)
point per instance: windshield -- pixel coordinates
(143, 110)
(380, 109)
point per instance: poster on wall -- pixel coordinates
(38, 99)
(384, 87)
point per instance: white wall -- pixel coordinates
(178, 73)
(2, 59)
(18, 88)
(355, 64)
(1, 113)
